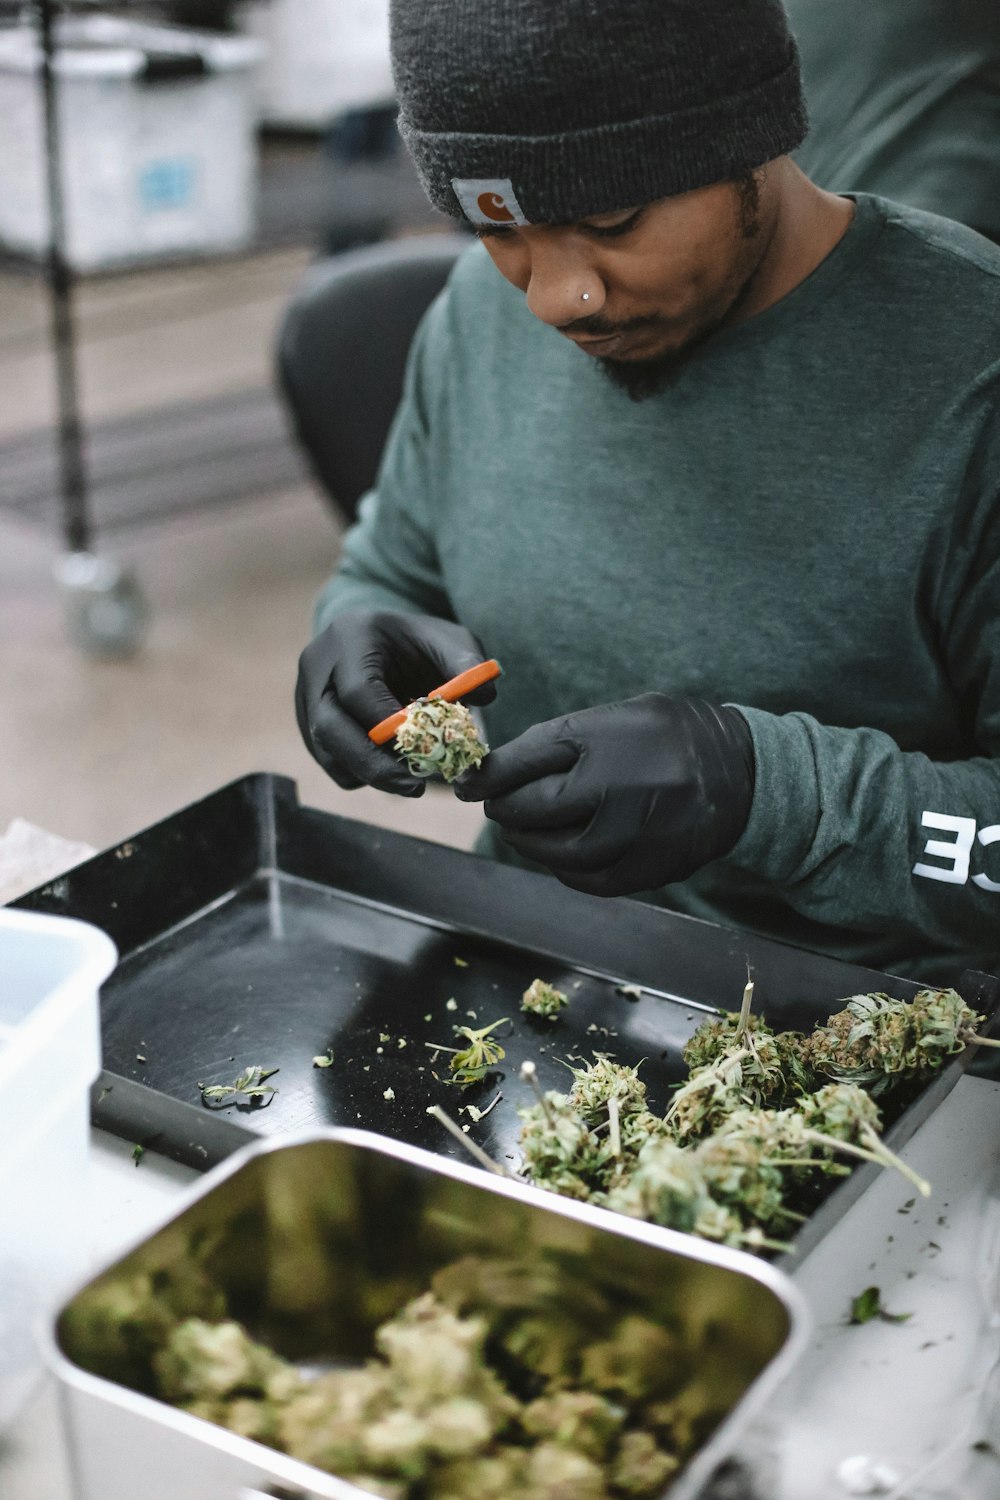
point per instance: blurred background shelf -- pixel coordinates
(195, 483)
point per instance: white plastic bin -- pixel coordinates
(158, 142)
(322, 57)
(50, 1053)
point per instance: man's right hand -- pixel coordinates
(367, 665)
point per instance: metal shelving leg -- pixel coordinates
(106, 612)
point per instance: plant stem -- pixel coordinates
(529, 1074)
(476, 1152)
(884, 1158)
(616, 1135)
(744, 1011)
(879, 1147)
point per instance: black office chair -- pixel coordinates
(341, 353)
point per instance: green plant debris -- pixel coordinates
(472, 1063)
(325, 1060)
(451, 1003)
(541, 999)
(138, 1152)
(250, 1085)
(475, 1115)
(439, 738)
(630, 991)
(868, 1305)
(460, 963)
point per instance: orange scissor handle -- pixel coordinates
(451, 691)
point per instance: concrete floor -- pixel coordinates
(96, 751)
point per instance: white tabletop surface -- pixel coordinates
(864, 1404)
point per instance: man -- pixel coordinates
(904, 100)
(709, 459)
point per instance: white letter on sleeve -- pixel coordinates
(988, 836)
(956, 851)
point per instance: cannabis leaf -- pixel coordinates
(249, 1085)
(868, 1305)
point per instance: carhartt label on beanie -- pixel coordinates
(488, 200)
(546, 111)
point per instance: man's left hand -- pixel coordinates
(623, 797)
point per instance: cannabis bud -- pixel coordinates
(541, 999)
(876, 1039)
(439, 738)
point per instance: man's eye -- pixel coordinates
(611, 231)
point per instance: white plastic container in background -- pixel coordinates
(51, 969)
(155, 163)
(322, 57)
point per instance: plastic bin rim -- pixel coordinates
(97, 957)
(119, 50)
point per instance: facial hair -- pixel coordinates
(642, 378)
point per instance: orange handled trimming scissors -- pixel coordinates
(451, 691)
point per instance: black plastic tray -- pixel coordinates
(253, 930)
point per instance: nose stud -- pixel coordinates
(585, 297)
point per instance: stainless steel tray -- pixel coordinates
(390, 1215)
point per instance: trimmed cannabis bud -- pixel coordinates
(876, 1040)
(700, 1105)
(841, 1110)
(212, 1361)
(846, 1118)
(748, 1136)
(509, 1377)
(598, 1082)
(541, 999)
(439, 738)
(773, 1068)
(720, 1035)
(561, 1151)
(668, 1187)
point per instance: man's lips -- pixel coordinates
(606, 345)
(603, 344)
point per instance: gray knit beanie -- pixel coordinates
(546, 111)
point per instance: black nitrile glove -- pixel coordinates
(624, 797)
(367, 665)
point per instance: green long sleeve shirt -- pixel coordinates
(806, 525)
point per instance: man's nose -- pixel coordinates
(561, 289)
